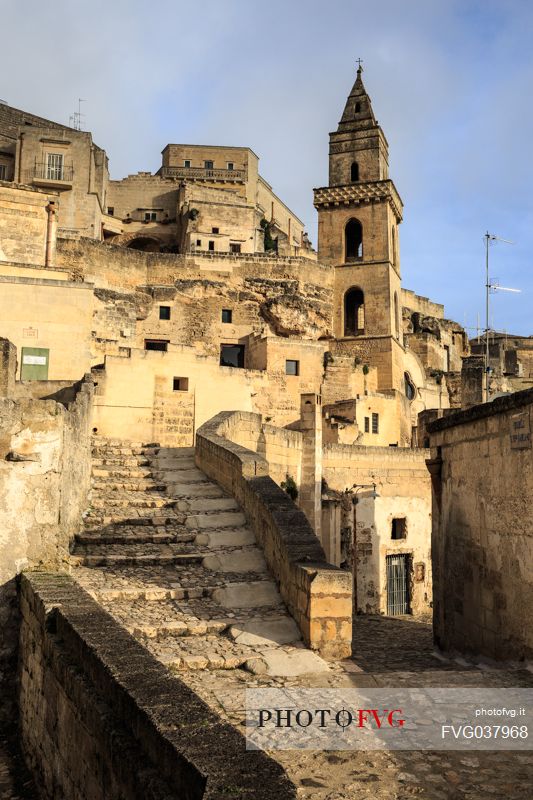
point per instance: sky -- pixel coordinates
(451, 83)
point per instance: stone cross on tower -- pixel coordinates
(360, 64)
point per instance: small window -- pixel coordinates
(235, 247)
(231, 165)
(150, 216)
(215, 230)
(156, 344)
(227, 315)
(198, 243)
(211, 245)
(110, 211)
(375, 423)
(232, 355)
(354, 172)
(3, 172)
(164, 312)
(367, 424)
(208, 164)
(292, 367)
(180, 384)
(399, 528)
(187, 163)
(357, 108)
(410, 390)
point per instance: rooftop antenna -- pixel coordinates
(76, 118)
(491, 287)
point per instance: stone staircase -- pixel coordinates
(171, 557)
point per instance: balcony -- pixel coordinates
(202, 174)
(54, 176)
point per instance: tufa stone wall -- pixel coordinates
(102, 718)
(44, 482)
(482, 474)
(318, 595)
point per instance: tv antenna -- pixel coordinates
(76, 118)
(491, 287)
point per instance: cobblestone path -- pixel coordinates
(168, 554)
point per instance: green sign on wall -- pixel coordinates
(34, 365)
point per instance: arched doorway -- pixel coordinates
(354, 312)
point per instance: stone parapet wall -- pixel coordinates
(318, 595)
(101, 717)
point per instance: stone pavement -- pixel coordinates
(168, 554)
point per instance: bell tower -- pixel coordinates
(358, 218)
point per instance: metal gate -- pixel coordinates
(397, 585)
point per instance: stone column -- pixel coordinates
(8, 368)
(311, 477)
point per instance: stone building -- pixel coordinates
(214, 302)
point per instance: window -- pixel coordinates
(232, 355)
(357, 107)
(396, 316)
(215, 230)
(150, 216)
(235, 247)
(231, 165)
(211, 245)
(187, 163)
(410, 390)
(54, 166)
(292, 367)
(354, 172)
(394, 247)
(156, 344)
(3, 172)
(110, 211)
(198, 243)
(399, 528)
(164, 312)
(354, 240)
(375, 423)
(367, 424)
(208, 164)
(354, 312)
(180, 384)
(227, 315)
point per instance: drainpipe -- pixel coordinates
(50, 234)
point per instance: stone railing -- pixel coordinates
(202, 174)
(101, 717)
(317, 594)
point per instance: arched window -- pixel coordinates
(410, 390)
(354, 240)
(396, 315)
(354, 312)
(357, 107)
(354, 172)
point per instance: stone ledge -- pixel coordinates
(146, 733)
(484, 410)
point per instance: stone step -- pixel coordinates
(102, 441)
(153, 517)
(185, 490)
(236, 561)
(230, 537)
(213, 521)
(175, 452)
(207, 504)
(140, 535)
(186, 476)
(111, 484)
(126, 473)
(113, 501)
(172, 465)
(111, 451)
(110, 555)
(120, 461)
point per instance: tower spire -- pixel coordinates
(358, 111)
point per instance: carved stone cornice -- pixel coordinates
(356, 194)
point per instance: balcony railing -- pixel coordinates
(51, 173)
(202, 174)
